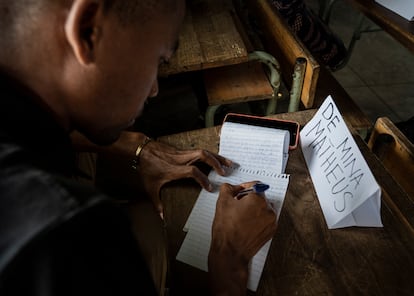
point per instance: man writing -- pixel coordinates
(88, 66)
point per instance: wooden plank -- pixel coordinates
(397, 156)
(302, 117)
(209, 38)
(286, 47)
(236, 84)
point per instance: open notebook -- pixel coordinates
(261, 154)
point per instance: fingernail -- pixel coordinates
(225, 169)
(162, 216)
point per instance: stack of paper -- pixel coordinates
(261, 154)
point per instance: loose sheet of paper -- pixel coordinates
(404, 8)
(259, 153)
(346, 188)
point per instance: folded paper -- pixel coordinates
(404, 8)
(346, 189)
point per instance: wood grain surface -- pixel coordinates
(305, 257)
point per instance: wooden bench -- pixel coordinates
(242, 82)
(395, 151)
(238, 83)
(224, 86)
(208, 39)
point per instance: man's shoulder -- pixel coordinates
(22, 180)
(55, 224)
(33, 202)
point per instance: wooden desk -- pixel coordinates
(209, 38)
(328, 85)
(398, 27)
(305, 257)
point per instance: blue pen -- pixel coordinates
(256, 188)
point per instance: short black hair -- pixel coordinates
(15, 13)
(127, 10)
(138, 10)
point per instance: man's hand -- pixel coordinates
(240, 228)
(160, 163)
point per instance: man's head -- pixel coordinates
(93, 62)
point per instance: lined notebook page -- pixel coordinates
(255, 147)
(196, 245)
(260, 154)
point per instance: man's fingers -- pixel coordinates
(194, 173)
(227, 190)
(156, 201)
(248, 184)
(217, 162)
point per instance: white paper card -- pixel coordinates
(346, 189)
(404, 8)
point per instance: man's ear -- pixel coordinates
(82, 29)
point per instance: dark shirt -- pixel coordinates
(57, 237)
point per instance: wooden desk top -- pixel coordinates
(328, 85)
(305, 257)
(395, 25)
(209, 38)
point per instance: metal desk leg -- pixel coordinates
(297, 84)
(274, 79)
(210, 112)
(325, 10)
(274, 76)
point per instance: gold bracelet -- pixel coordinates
(138, 152)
